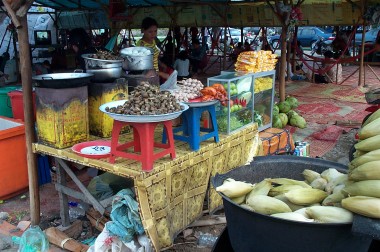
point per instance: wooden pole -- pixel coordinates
(283, 63)
(26, 79)
(361, 66)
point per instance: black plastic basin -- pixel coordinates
(250, 231)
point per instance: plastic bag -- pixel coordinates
(107, 184)
(171, 82)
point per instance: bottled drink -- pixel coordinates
(76, 211)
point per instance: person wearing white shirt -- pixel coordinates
(182, 65)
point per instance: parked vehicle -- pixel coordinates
(321, 46)
(369, 38)
(307, 36)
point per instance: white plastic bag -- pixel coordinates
(171, 82)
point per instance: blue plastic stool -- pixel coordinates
(191, 128)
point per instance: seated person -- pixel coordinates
(182, 65)
(198, 56)
(333, 68)
(237, 50)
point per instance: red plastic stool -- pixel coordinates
(143, 142)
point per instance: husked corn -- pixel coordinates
(267, 205)
(306, 196)
(329, 214)
(367, 171)
(367, 206)
(370, 188)
(369, 130)
(233, 189)
(310, 175)
(369, 144)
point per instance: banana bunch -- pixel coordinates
(317, 199)
(364, 171)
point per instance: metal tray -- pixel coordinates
(140, 118)
(201, 104)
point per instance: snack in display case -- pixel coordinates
(263, 99)
(237, 111)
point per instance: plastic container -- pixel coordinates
(13, 168)
(18, 104)
(5, 101)
(250, 231)
(62, 116)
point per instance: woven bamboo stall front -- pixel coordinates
(172, 195)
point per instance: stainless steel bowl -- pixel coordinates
(134, 62)
(105, 74)
(92, 63)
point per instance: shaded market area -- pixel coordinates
(188, 138)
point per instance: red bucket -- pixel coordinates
(17, 104)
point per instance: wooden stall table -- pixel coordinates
(172, 195)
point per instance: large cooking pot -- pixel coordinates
(103, 70)
(137, 58)
(62, 80)
(250, 231)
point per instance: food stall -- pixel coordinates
(171, 193)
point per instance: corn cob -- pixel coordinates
(277, 190)
(370, 130)
(310, 175)
(329, 214)
(372, 117)
(267, 205)
(286, 181)
(367, 206)
(367, 171)
(306, 196)
(232, 188)
(370, 188)
(368, 157)
(369, 144)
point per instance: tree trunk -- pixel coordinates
(283, 63)
(26, 79)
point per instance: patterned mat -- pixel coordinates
(326, 91)
(328, 111)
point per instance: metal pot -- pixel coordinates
(92, 63)
(105, 74)
(62, 80)
(135, 62)
(250, 231)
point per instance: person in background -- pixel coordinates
(333, 68)
(81, 43)
(247, 46)
(149, 29)
(169, 49)
(237, 50)
(198, 56)
(182, 65)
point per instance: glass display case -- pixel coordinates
(263, 98)
(246, 103)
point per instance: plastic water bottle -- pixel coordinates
(33, 240)
(206, 240)
(76, 211)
